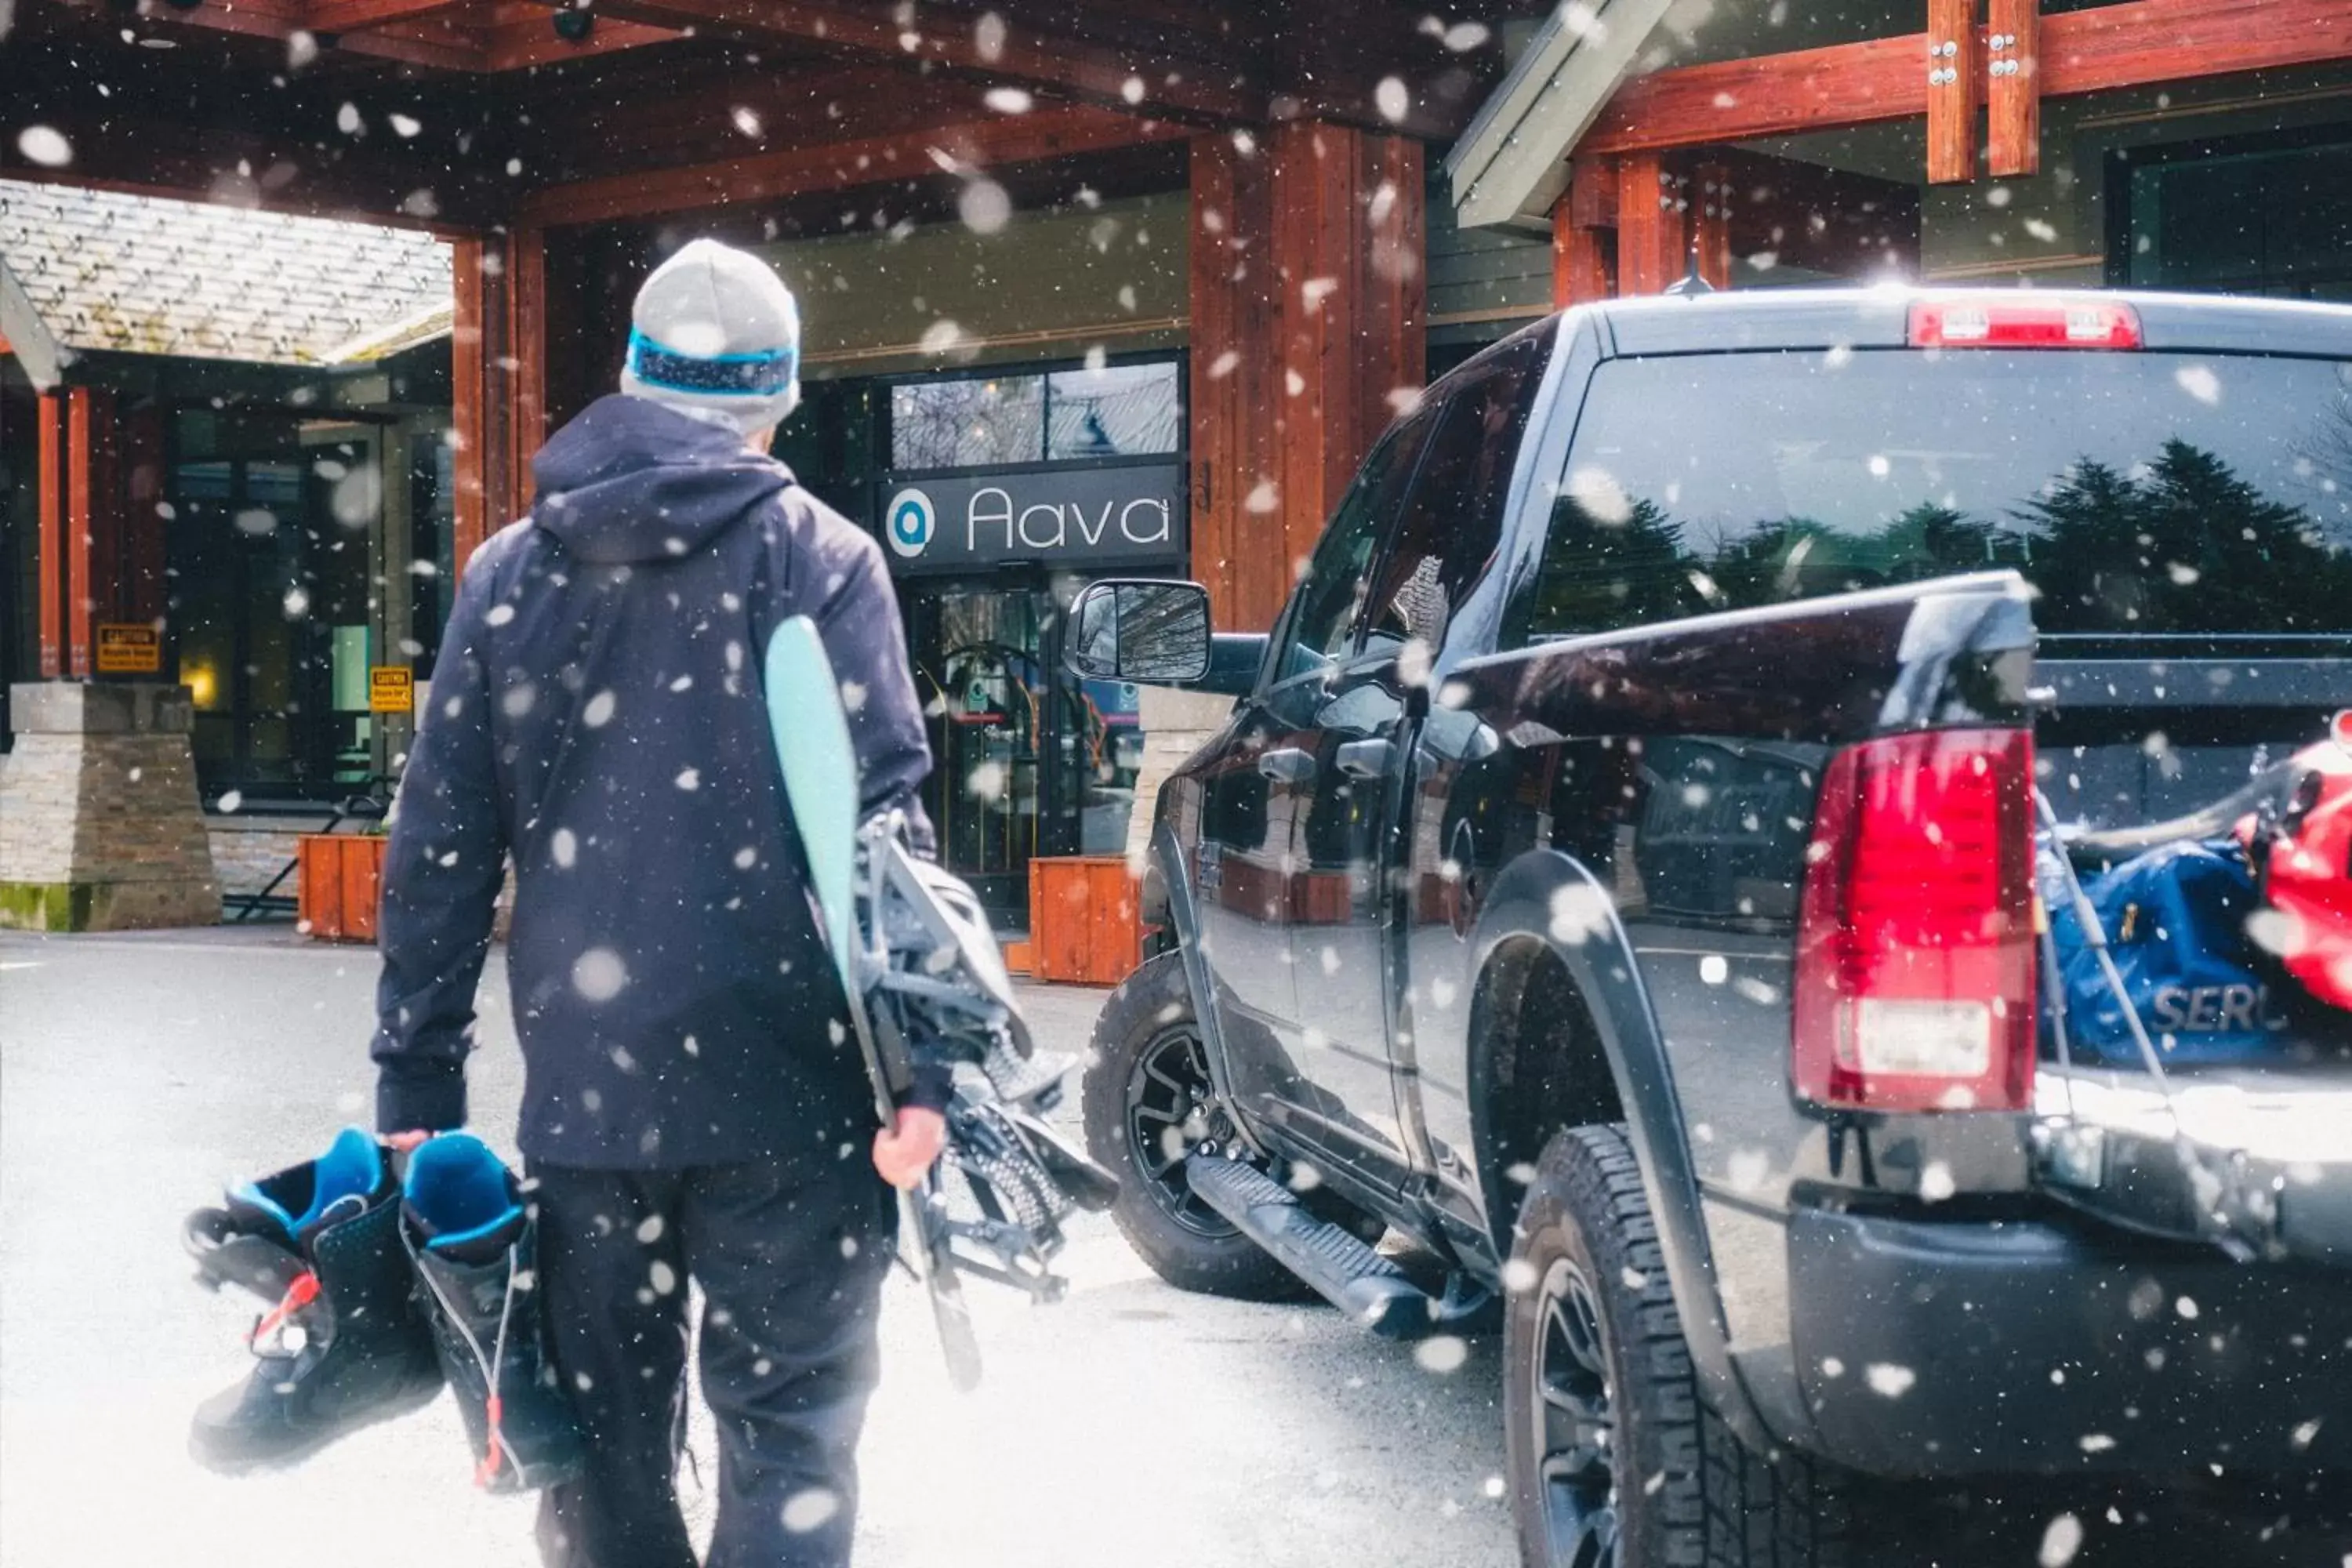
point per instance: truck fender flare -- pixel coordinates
(1557, 900)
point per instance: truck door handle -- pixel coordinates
(1287, 765)
(1366, 759)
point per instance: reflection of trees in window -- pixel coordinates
(2182, 544)
(2179, 545)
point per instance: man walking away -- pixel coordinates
(694, 1104)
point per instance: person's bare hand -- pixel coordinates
(907, 1147)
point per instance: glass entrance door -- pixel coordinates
(981, 669)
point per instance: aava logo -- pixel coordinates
(908, 525)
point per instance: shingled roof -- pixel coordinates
(142, 275)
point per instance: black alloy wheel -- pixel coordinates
(1577, 1420)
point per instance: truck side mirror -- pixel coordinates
(1154, 634)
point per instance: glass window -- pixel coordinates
(1323, 622)
(1454, 519)
(967, 423)
(2142, 494)
(2274, 220)
(1119, 411)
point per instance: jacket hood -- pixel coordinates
(630, 481)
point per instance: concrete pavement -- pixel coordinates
(1129, 1425)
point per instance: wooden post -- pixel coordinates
(2013, 87)
(468, 397)
(1236, 490)
(1650, 211)
(1584, 234)
(1954, 90)
(526, 322)
(1314, 405)
(1711, 232)
(87, 412)
(49, 561)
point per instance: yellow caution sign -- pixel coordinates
(391, 689)
(128, 649)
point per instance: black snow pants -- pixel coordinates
(789, 1255)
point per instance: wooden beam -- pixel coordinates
(1592, 192)
(1954, 90)
(2013, 87)
(469, 394)
(843, 165)
(534, 42)
(1314, 202)
(340, 17)
(283, 19)
(1137, 81)
(2100, 49)
(83, 520)
(49, 556)
(1390, 282)
(1652, 248)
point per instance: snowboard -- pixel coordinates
(809, 730)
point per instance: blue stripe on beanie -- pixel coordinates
(762, 375)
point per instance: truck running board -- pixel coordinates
(1368, 1287)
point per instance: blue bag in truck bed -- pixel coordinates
(2176, 924)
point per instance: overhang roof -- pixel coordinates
(126, 274)
(1512, 163)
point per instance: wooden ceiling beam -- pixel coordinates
(340, 17)
(842, 165)
(1133, 80)
(534, 42)
(281, 19)
(2135, 44)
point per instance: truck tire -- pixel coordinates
(1150, 1062)
(1615, 1459)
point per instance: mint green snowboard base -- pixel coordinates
(813, 745)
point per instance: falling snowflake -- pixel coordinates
(1889, 1381)
(44, 146)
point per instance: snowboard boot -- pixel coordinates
(347, 1345)
(250, 1241)
(474, 1244)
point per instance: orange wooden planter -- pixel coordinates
(339, 884)
(1083, 927)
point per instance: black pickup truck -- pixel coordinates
(1617, 876)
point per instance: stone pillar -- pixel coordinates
(1175, 723)
(101, 827)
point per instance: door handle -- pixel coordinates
(1287, 765)
(1366, 760)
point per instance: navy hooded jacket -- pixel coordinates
(596, 712)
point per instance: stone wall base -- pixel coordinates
(100, 828)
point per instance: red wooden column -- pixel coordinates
(1954, 90)
(49, 558)
(2013, 87)
(525, 359)
(1584, 234)
(1236, 492)
(480, 392)
(89, 419)
(1652, 246)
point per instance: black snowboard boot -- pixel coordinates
(250, 1241)
(347, 1345)
(474, 1244)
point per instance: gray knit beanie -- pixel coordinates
(716, 334)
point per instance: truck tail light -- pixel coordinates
(2015, 320)
(1915, 969)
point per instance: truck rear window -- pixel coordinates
(2141, 494)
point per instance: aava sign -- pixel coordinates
(1125, 516)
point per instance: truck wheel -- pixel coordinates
(1615, 1459)
(1148, 1104)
